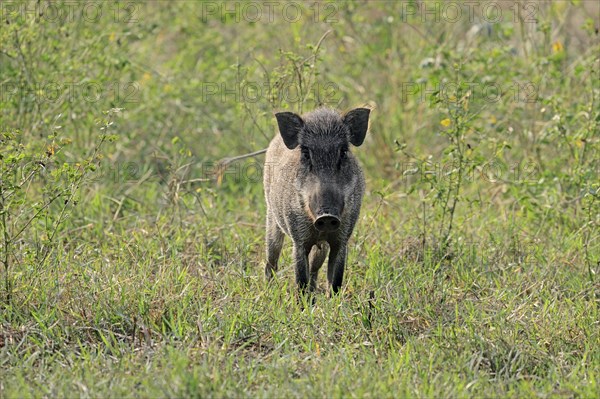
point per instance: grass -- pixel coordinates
(133, 266)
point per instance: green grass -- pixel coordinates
(129, 266)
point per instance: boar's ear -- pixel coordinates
(289, 127)
(357, 121)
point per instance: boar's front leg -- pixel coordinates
(300, 255)
(335, 266)
(274, 244)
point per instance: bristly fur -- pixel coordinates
(309, 170)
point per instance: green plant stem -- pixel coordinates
(7, 242)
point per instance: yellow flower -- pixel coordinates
(557, 47)
(446, 122)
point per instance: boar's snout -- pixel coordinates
(327, 205)
(327, 223)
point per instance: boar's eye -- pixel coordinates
(342, 158)
(305, 154)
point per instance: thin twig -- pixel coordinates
(226, 161)
(223, 163)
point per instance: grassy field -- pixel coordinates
(132, 258)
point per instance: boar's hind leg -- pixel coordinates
(335, 266)
(316, 258)
(274, 244)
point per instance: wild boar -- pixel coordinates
(314, 188)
